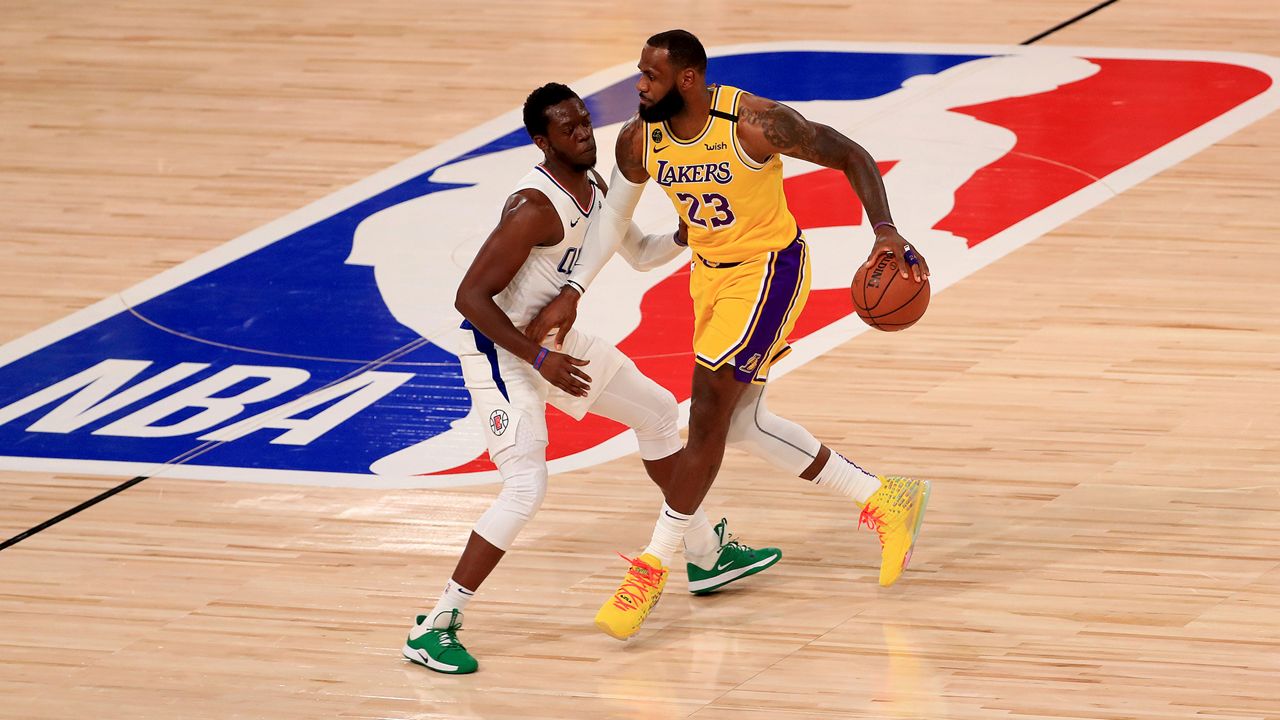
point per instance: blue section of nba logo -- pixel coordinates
(282, 323)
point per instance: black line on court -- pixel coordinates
(130, 483)
(82, 506)
(1068, 23)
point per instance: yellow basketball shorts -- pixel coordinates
(743, 312)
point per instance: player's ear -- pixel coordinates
(542, 142)
(688, 78)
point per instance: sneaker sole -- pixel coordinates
(417, 657)
(915, 532)
(607, 629)
(696, 587)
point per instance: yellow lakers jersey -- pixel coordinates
(733, 205)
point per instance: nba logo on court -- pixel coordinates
(319, 349)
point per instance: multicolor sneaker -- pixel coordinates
(734, 562)
(895, 512)
(438, 648)
(622, 614)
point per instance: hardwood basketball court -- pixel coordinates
(1096, 409)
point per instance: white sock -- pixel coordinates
(454, 597)
(668, 534)
(701, 544)
(841, 476)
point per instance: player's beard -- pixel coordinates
(666, 107)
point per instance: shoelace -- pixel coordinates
(449, 635)
(449, 638)
(732, 542)
(641, 578)
(873, 517)
(727, 540)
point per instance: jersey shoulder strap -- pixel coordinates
(726, 103)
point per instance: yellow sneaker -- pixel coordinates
(895, 512)
(622, 614)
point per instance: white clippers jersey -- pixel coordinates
(539, 280)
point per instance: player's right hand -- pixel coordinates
(560, 313)
(562, 371)
(889, 242)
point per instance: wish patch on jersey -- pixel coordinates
(321, 348)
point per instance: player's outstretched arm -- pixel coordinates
(626, 185)
(646, 252)
(766, 127)
(603, 238)
(528, 219)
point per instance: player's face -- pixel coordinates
(569, 134)
(660, 98)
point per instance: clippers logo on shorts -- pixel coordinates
(498, 421)
(322, 348)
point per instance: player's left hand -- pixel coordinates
(888, 240)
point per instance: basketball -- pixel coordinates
(884, 300)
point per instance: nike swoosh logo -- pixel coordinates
(660, 149)
(721, 567)
(575, 222)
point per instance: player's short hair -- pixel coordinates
(683, 47)
(535, 106)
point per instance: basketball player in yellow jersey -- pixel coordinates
(716, 153)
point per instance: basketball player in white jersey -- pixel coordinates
(520, 268)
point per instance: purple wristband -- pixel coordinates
(883, 222)
(542, 355)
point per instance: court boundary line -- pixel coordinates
(1068, 23)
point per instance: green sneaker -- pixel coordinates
(734, 562)
(438, 648)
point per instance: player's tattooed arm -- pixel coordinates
(528, 220)
(629, 151)
(766, 128)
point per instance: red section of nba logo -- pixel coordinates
(1068, 138)
(1073, 136)
(823, 198)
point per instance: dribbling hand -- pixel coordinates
(889, 241)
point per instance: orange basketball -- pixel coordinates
(884, 300)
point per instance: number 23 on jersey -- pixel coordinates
(710, 210)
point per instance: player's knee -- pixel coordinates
(709, 418)
(524, 483)
(707, 428)
(650, 410)
(661, 420)
(524, 495)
